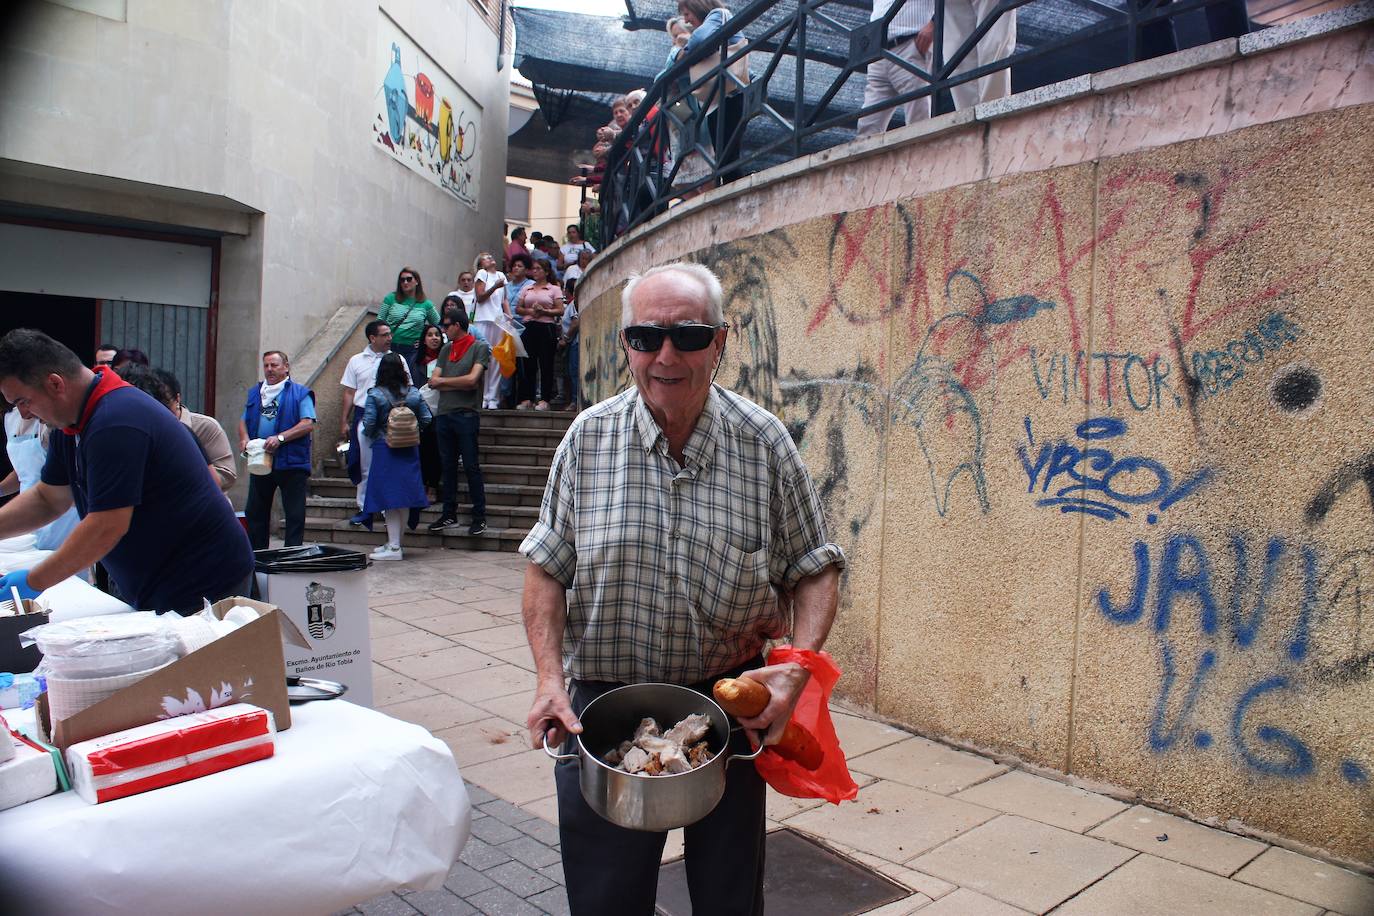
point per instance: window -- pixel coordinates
(517, 204)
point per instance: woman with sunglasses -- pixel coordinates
(406, 311)
(541, 307)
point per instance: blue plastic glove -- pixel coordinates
(18, 579)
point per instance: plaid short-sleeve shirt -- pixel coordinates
(676, 573)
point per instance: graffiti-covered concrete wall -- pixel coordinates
(1094, 426)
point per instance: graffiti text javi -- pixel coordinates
(1182, 578)
(1097, 481)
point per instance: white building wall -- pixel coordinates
(270, 105)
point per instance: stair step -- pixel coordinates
(336, 531)
(492, 475)
(498, 516)
(498, 494)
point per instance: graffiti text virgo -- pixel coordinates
(1097, 481)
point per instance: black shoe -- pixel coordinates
(479, 526)
(447, 521)
(362, 518)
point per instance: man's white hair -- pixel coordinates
(701, 276)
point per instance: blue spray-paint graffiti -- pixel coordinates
(1184, 576)
(1101, 483)
(1217, 370)
(1125, 378)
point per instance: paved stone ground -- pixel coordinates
(967, 835)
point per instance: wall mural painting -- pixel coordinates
(422, 119)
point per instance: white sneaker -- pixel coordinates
(387, 552)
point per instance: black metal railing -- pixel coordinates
(687, 134)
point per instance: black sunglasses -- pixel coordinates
(404, 279)
(686, 338)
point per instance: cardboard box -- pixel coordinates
(246, 666)
(331, 608)
(14, 658)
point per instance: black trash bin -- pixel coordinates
(323, 589)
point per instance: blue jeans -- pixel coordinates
(457, 435)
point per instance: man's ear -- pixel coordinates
(55, 384)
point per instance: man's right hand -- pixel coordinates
(551, 715)
(243, 444)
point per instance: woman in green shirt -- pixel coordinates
(407, 311)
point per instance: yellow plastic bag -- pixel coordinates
(504, 354)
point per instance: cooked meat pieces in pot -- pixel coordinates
(652, 752)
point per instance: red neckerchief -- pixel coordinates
(459, 347)
(105, 382)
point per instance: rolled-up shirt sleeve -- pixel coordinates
(552, 543)
(801, 547)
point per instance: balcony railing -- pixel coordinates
(688, 133)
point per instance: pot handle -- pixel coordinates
(548, 750)
(750, 756)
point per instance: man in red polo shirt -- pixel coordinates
(149, 512)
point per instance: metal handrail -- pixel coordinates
(639, 181)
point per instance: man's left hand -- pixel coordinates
(784, 683)
(18, 580)
(925, 38)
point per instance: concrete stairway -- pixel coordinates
(515, 448)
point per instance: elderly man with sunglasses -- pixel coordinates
(679, 531)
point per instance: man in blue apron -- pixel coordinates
(149, 511)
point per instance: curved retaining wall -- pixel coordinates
(1086, 387)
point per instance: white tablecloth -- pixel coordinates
(353, 804)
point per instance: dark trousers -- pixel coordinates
(457, 434)
(727, 148)
(540, 339)
(258, 510)
(610, 869)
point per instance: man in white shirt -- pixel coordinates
(358, 378)
(576, 245)
(998, 42)
(910, 34)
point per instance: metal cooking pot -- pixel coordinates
(638, 801)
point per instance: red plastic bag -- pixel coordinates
(831, 780)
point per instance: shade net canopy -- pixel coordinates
(591, 56)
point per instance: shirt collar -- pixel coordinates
(701, 445)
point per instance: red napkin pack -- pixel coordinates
(170, 751)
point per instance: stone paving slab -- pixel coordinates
(1023, 862)
(435, 713)
(494, 679)
(1043, 800)
(483, 740)
(1149, 886)
(461, 621)
(522, 778)
(965, 902)
(859, 736)
(1311, 880)
(1181, 840)
(513, 707)
(927, 765)
(893, 821)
